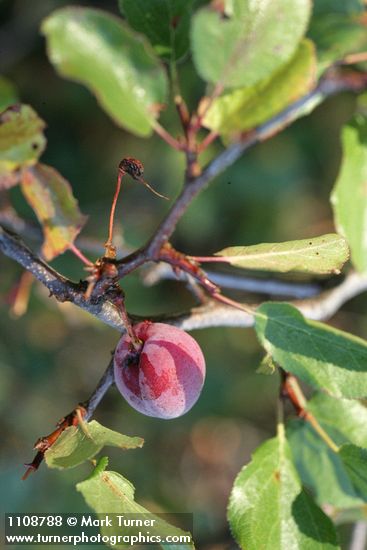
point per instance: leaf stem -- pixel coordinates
(208, 140)
(79, 254)
(202, 259)
(167, 137)
(280, 416)
(292, 390)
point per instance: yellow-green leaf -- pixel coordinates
(80, 443)
(8, 93)
(51, 198)
(245, 108)
(21, 142)
(325, 254)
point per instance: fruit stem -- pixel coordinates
(110, 250)
(120, 303)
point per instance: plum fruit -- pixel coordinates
(165, 376)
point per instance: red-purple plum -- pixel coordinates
(165, 377)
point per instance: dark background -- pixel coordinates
(52, 357)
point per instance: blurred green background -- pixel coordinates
(52, 357)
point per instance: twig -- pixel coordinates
(83, 411)
(215, 314)
(352, 58)
(272, 287)
(97, 395)
(208, 140)
(166, 136)
(182, 110)
(319, 308)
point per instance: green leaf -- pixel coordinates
(78, 444)
(349, 197)
(355, 462)
(118, 66)
(108, 492)
(325, 254)
(246, 41)
(8, 93)
(245, 108)
(320, 355)
(320, 468)
(51, 198)
(165, 22)
(21, 142)
(268, 508)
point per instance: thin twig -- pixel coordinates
(208, 140)
(318, 308)
(101, 389)
(166, 136)
(271, 287)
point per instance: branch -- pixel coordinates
(59, 286)
(271, 287)
(100, 391)
(212, 314)
(333, 82)
(319, 308)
